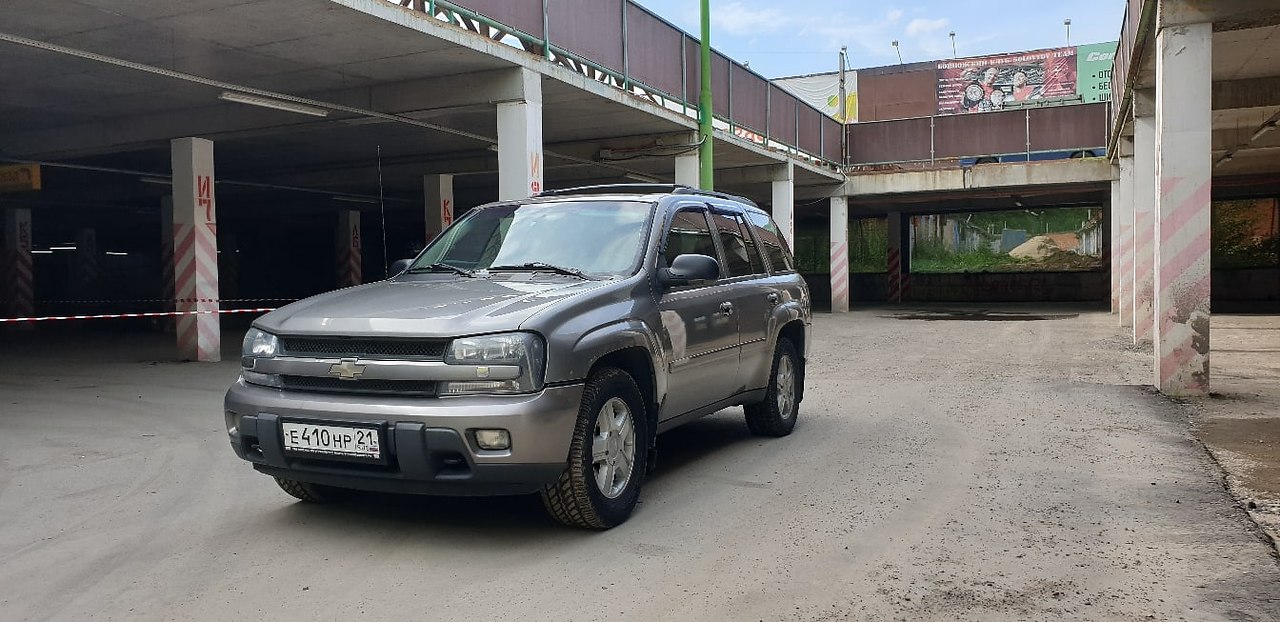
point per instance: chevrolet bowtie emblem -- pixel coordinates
(347, 369)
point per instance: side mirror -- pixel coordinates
(690, 270)
(399, 266)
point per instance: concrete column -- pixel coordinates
(1125, 214)
(839, 254)
(350, 268)
(1144, 202)
(18, 277)
(1113, 238)
(520, 161)
(86, 266)
(899, 257)
(167, 283)
(437, 192)
(687, 169)
(784, 205)
(195, 249)
(1182, 240)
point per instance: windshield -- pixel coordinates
(599, 238)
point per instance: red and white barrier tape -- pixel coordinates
(14, 320)
(99, 302)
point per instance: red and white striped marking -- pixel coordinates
(840, 276)
(1126, 274)
(349, 266)
(20, 291)
(112, 316)
(896, 277)
(1143, 271)
(196, 279)
(154, 300)
(1183, 287)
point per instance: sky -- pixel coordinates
(804, 36)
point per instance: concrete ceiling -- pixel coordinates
(84, 111)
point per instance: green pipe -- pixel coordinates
(706, 172)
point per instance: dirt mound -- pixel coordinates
(1038, 248)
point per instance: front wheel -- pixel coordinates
(313, 493)
(607, 457)
(776, 415)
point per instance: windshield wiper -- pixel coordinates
(539, 265)
(437, 267)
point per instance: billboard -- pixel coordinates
(988, 83)
(822, 91)
(1093, 71)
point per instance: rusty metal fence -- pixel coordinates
(624, 45)
(943, 139)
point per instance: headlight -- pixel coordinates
(258, 344)
(525, 350)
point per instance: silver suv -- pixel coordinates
(538, 346)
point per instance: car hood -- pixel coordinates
(432, 307)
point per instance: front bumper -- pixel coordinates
(428, 441)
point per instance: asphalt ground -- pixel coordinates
(955, 465)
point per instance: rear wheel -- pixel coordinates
(607, 457)
(313, 493)
(776, 415)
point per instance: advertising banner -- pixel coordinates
(1093, 71)
(822, 91)
(988, 83)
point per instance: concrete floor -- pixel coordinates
(942, 469)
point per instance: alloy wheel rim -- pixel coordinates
(613, 448)
(786, 387)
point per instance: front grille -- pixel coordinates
(368, 348)
(408, 388)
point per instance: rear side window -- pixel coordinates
(689, 235)
(733, 238)
(775, 247)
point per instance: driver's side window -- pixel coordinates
(689, 235)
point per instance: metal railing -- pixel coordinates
(597, 42)
(1138, 18)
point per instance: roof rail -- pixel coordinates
(613, 189)
(712, 193)
(643, 189)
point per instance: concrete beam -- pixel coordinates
(1251, 93)
(1012, 175)
(754, 174)
(1233, 15)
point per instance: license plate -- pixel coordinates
(331, 440)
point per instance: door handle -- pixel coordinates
(726, 308)
(773, 298)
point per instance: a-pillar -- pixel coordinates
(437, 197)
(520, 158)
(839, 254)
(1144, 203)
(784, 205)
(899, 264)
(1183, 169)
(195, 249)
(16, 271)
(348, 244)
(1124, 211)
(688, 166)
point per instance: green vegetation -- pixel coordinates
(933, 256)
(1238, 240)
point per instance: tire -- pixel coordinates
(312, 493)
(599, 452)
(776, 414)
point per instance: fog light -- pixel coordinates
(493, 439)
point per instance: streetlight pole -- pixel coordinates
(953, 44)
(706, 171)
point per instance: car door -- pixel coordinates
(699, 321)
(747, 278)
(780, 287)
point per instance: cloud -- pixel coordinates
(920, 26)
(737, 18)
